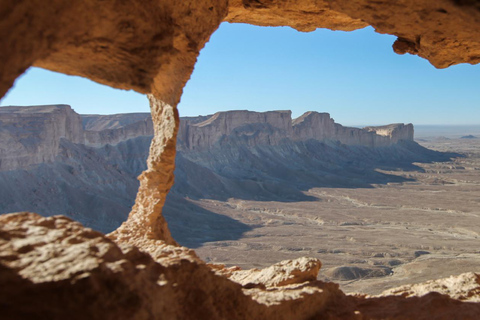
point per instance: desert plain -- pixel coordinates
(423, 226)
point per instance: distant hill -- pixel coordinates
(54, 161)
(469, 137)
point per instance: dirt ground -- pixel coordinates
(368, 239)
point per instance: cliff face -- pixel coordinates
(96, 122)
(31, 135)
(75, 162)
(395, 132)
(271, 128)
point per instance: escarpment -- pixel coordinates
(273, 127)
(32, 135)
(152, 47)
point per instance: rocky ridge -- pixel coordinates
(272, 128)
(32, 135)
(97, 164)
(110, 171)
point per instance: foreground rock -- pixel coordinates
(464, 287)
(54, 268)
(41, 277)
(280, 274)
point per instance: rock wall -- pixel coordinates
(31, 135)
(151, 46)
(273, 127)
(395, 132)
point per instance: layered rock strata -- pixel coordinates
(32, 135)
(274, 127)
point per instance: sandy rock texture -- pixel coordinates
(280, 274)
(151, 46)
(443, 32)
(81, 274)
(54, 268)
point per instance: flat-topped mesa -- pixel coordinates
(31, 135)
(273, 127)
(396, 131)
(250, 127)
(320, 126)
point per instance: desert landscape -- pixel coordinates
(253, 189)
(373, 238)
(54, 267)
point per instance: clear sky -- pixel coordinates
(355, 76)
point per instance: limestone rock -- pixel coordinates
(263, 128)
(464, 287)
(31, 135)
(274, 127)
(280, 274)
(53, 268)
(99, 122)
(434, 30)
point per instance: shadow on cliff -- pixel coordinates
(191, 225)
(284, 172)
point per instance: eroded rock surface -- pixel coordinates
(151, 47)
(54, 268)
(274, 127)
(464, 287)
(31, 135)
(280, 274)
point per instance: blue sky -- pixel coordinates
(355, 76)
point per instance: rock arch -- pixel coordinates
(151, 46)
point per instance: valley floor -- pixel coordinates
(368, 239)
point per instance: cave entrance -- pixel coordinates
(74, 147)
(348, 227)
(371, 214)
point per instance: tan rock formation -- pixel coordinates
(151, 46)
(54, 268)
(273, 127)
(464, 287)
(443, 32)
(280, 274)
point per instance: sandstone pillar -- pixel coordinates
(145, 222)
